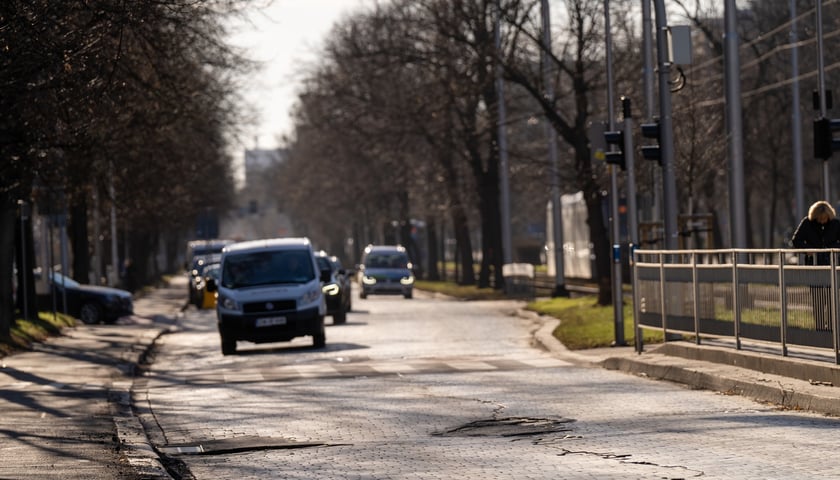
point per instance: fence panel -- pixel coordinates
(763, 295)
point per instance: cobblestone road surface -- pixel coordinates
(433, 389)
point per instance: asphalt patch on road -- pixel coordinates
(509, 427)
(237, 445)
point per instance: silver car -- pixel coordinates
(386, 269)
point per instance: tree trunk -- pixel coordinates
(464, 246)
(79, 240)
(7, 255)
(432, 272)
(25, 277)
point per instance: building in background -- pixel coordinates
(258, 212)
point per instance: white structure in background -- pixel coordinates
(259, 210)
(577, 249)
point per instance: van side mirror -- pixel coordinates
(326, 275)
(211, 285)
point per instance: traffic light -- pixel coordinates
(615, 157)
(652, 152)
(824, 141)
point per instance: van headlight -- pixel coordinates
(228, 303)
(368, 280)
(409, 280)
(311, 296)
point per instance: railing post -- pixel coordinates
(696, 286)
(662, 296)
(736, 300)
(639, 343)
(833, 304)
(783, 303)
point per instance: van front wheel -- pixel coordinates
(228, 346)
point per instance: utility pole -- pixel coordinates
(502, 144)
(823, 103)
(796, 121)
(551, 136)
(648, 70)
(737, 202)
(669, 182)
(617, 287)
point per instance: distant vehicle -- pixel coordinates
(196, 276)
(386, 269)
(212, 272)
(345, 277)
(197, 251)
(91, 303)
(270, 291)
(197, 248)
(337, 290)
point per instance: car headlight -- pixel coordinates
(368, 280)
(407, 280)
(228, 303)
(331, 289)
(310, 296)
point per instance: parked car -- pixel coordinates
(270, 291)
(386, 269)
(91, 303)
(337, 289)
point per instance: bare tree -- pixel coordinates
(102, 91)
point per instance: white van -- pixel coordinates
(270, 291)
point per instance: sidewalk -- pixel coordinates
(67, 412)
(66, 404)
(804, 380)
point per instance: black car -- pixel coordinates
(337, 289)
(91, 303)
(345, 279)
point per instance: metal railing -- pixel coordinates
(777, 296)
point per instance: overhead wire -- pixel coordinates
(717, 78)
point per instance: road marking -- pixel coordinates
(285, 373)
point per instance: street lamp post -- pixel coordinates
(551, 136)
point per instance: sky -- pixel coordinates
(285, 36)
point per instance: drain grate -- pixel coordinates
(509, 427)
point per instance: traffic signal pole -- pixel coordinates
(618, 299)
(630, 165)
(669, 182)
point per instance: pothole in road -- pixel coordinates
(509, 427)
(236, 445)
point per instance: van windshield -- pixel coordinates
(267, 268)
(387, 260)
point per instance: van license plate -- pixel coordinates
(270, 321)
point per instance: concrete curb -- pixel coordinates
(783, 381)
(767, 388)
(134, 442)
